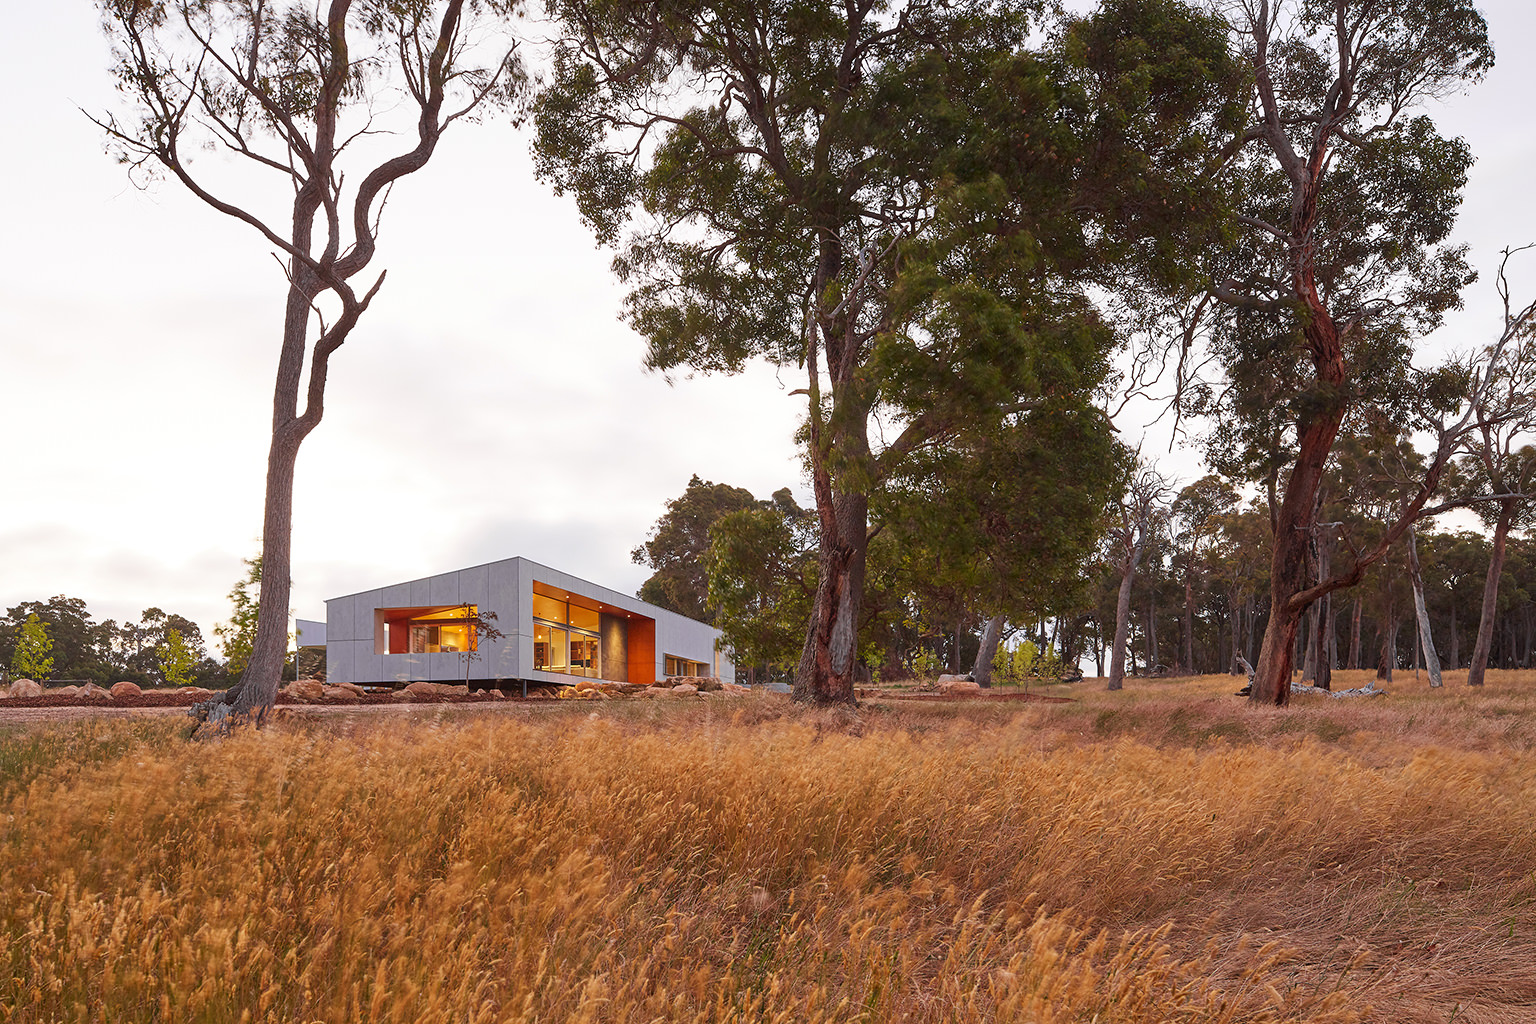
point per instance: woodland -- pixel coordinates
(969, 235)
(972, 232)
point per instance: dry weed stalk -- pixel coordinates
(688, 864)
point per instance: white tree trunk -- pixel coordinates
(1426, 637)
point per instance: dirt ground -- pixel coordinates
(53, 707)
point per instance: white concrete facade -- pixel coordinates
(357, 650)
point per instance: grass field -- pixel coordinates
(1163, 854)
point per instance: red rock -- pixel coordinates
(124, 688)
(304, 689)
(422, 688)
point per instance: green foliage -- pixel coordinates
(33, 658)
(1367, 230)
(99, 652)
(82, 648)
(177, 659)
(1025, 660)
(919, 206)
(1004, 519)
(761, 565)
(237, 636)
(679, 543)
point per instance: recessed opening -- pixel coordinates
(440, 629)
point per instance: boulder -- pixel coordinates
(123, 688)
(704, 684)
(422, 688)
(733, 688)
(26, 688)
(958, 686)
(199, 692)
(684, 689)
(352, 688)
(90, 691)
(304, 689)
(64, 691)
(337, 693)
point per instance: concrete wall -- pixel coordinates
(355, 652)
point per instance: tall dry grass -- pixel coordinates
(1161, 855)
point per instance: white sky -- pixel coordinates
(489, 404)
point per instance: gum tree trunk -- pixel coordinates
(826, 671)
(1123, 617)
(1426, 637)
(1189, 613)
(990, 635)
(825, 674)
(1293, 526)
(254, 695)
(1485, 624)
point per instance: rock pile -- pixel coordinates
(672, 686)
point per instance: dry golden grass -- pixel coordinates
(1162, 854)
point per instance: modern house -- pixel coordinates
(553, 628)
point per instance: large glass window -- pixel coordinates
(565, 636)
(551, 652)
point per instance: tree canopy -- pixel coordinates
(909, 203)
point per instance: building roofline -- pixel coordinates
(535, 565)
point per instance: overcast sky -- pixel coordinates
(490, 403)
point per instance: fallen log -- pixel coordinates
(1368, 690)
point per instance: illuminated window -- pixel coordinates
(439, 630)
(683, 667)
(565, 636)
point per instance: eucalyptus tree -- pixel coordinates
(1506, 474)
(1135, 519)
(1004, 518)
(679, 543)
(760, 567)
(1347, 195)
(1198, 510)
(307, 95)
(904, 202)
(1240, 569)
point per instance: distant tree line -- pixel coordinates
(1198, 600)
(85, 650)
(58, 640)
